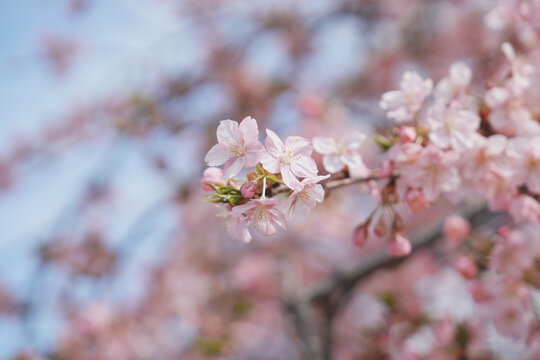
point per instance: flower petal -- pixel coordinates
(217, 155)
(227, 133)
(273, 143)
(233, 166)
(249, 130)
(304, 167)
(324, 145)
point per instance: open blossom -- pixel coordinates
(496, 187)
(291, 159)
(234, 225)
(521, 70)
(338, 154)
(456, 83)
(452, 127)
(263, 214)
(433, 172)
(305, 196)
(524, 155)
(213, 176)
(403, 104)
(486, 154)
(525, 208)
(238, 146)
(511, 256)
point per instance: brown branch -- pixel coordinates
(331, 294)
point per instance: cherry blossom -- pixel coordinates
(238, 146)
(263, 214)
(432, 172)
(338, 154)
(403, 104)
(291, 159)
(456, 84)
(524, 155)
(452, 127)
(236, 228)
(304, 197)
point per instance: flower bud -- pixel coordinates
(466, 267)
(248, 190)
(399, 246)
(456, 229)
(407, 134)
(386, 169)
(360, 235)
(416, 200)
(212, 175)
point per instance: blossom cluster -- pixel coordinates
(447, 138)
(277, 168)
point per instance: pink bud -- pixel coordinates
(385, 169)
(466, 267)
(399, 224)
(416, 200)
(407, 134)
(380, 227)
(399, 246)
(360, 235)
(212, 175)
(478, 291)
(456, 229)
(248, 190)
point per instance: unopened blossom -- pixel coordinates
(433, 172)
(407, 134)
(456, 229)
(416, 200)
(360, 234)
(248, 189)
(399, 246)
(305, 196)
(466, 267)
(263, 214)
(455, 84)
(238, 146)
(524, 155)
(525, 208)
(212, 176)
(452, 127)
(291, 159)
(341, 153)
(401, 105)
(234, 224)
(386, 169)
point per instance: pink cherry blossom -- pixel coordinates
(234, 225)
(525, 208)
(291, 159)
(521, 70)
(486, 154)
(455, 84)
(511, 255)
(338, 154)
(263, 214)
(524, 154)
(416, 200)
(402, 105)
(495, 186)
(452, 127)
(238, 146)
(360, 235)
(399, 246)
(456, 229)
(305, 196)
(433, 172)
(214, 176)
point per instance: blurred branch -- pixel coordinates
(330, 295)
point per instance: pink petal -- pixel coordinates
(298, 145)
(324, 145)
(270, 163)
(332, 163)
(249, 130)
(273, 143)
(233, 166)
(217, 155)
(227, 133)
(304, 167)
(254, 154)
(288, 178)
